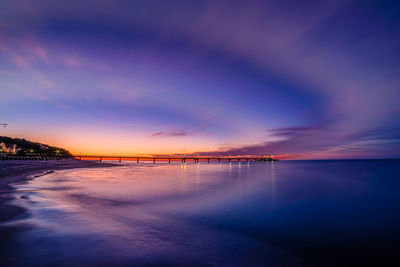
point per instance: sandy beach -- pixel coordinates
(17, 171)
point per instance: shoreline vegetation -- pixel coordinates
(10, 147)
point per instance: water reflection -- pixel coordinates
(273, 181)
(192, 213)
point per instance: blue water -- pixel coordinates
(288, 213)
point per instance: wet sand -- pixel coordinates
(17, 171)
(12, 172)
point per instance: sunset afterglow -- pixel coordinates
(99, 77)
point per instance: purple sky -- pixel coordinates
(312, 79)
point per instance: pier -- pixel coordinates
(182, 159)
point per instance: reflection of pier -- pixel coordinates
(182, 159)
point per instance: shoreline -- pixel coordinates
(12, 172)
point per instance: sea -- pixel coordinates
(286, 213)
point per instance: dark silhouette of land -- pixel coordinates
(22, 147)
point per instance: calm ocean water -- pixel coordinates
(288, 213)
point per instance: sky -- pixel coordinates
(306, 79)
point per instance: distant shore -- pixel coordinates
(17, 171)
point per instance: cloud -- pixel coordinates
(21, 62)
(193, 129)
(293, 140)
(322, 142)
(175, 132)
(72, 61)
